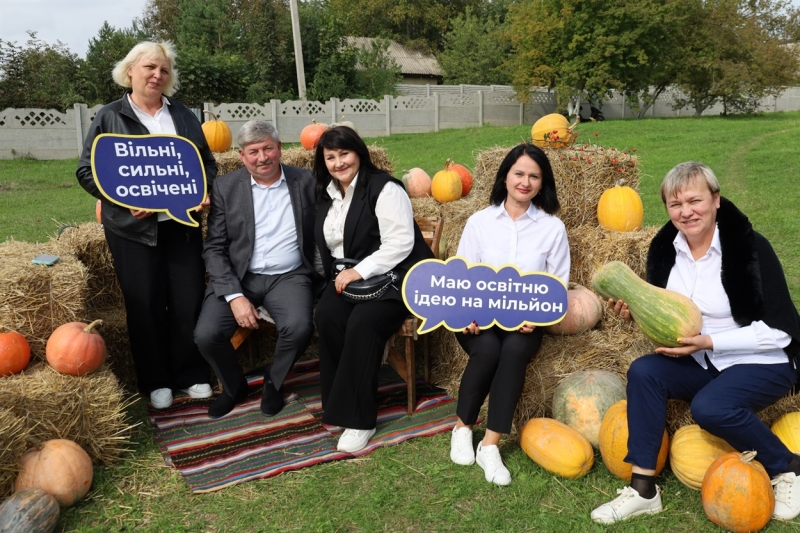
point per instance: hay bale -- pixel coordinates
(13, 435)
(36, 299)
(89, 410)
(298, 157)
(115, 333)
(88, 243)
(593, 246)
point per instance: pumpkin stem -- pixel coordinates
(747, 457)
(448, 164)
(33, 441)
(90, 327)
(213, 116)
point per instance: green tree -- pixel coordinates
(38, 75)
(221, 77)
(106, 50)
(376, 72)
(474, 52)
(336, 62)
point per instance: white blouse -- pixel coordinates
(395, 221)
(535, 242)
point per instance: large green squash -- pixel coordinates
(582, 399)
(29, 511)
(664, 316)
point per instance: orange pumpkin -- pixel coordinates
(582, 399)
(98, 211)
(557, 447)
(446, 185)
(620, 208)
(584, 311)
(310, 135)
(692, 451)
(76, 348)
(614, 442)
(417, 183)
(218, 135)
(466, 178)
(15, 353)
(59, 467)
(737, 493)
(787, 428)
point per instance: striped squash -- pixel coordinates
(664, 316)
(29, 511)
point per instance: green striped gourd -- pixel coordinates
(664, 316)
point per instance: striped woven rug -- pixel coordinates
(246, 445)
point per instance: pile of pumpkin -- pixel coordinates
(590, 411)
(57, 473)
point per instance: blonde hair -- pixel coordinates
(149, 50)
(684, 173)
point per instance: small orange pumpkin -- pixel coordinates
(737, 493)
(584, 311)
(417, 182)
(620, 208)
(614, 442)
(309, 136)
(466, 178)
(556, 447)
(59, 467)
(217, 133)
(446, 185)
(15, 353)
(76, 349)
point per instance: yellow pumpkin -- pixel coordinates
(787, 428)
(620, 208)
(556, 447)
(218, 135)
(552, 131)
(614, 442)
(446, 185)
(691, 453)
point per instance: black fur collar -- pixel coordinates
(741, 274)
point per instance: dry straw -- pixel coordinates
(13, 443)
(89, 410)
(297, 157)
(36, 299)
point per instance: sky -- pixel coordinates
(73, 22)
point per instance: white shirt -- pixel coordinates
(161, 122)
(395, 221)
(535, 242)
(701, 281)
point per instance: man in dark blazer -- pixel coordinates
(259, 252)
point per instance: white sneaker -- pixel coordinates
(626, 505)
(353, 440)
(201, 390)
(461, 450)
(161, 398)
(488, 458)
(787, 496)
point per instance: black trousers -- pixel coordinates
(352, 338)
(163, 288)
(496, 367)
(287, 297)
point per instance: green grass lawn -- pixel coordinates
(414, 486)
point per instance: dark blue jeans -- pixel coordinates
(723, 403)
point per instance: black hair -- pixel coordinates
(341, 138)
(546, 199)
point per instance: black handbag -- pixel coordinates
(363, 290)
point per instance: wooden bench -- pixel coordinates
(404, 363)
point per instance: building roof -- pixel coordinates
(409, 61)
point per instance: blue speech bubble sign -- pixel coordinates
(453, 294)
(162, 173)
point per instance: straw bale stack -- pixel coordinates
(89, 410)
(36, 299)
(115, 333)
(13, 435)
(297, 157)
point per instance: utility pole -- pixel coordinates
(298, 50)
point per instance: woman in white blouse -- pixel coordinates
(744, 358)
(519, 228)
(363, 214)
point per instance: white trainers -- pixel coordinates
(201, 390)
(627, 505)
(461, 450)
(787, 496)
(488, 458)
(161, 398)
(353, 440)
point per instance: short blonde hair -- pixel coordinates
(684, 173)
(149, 50)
